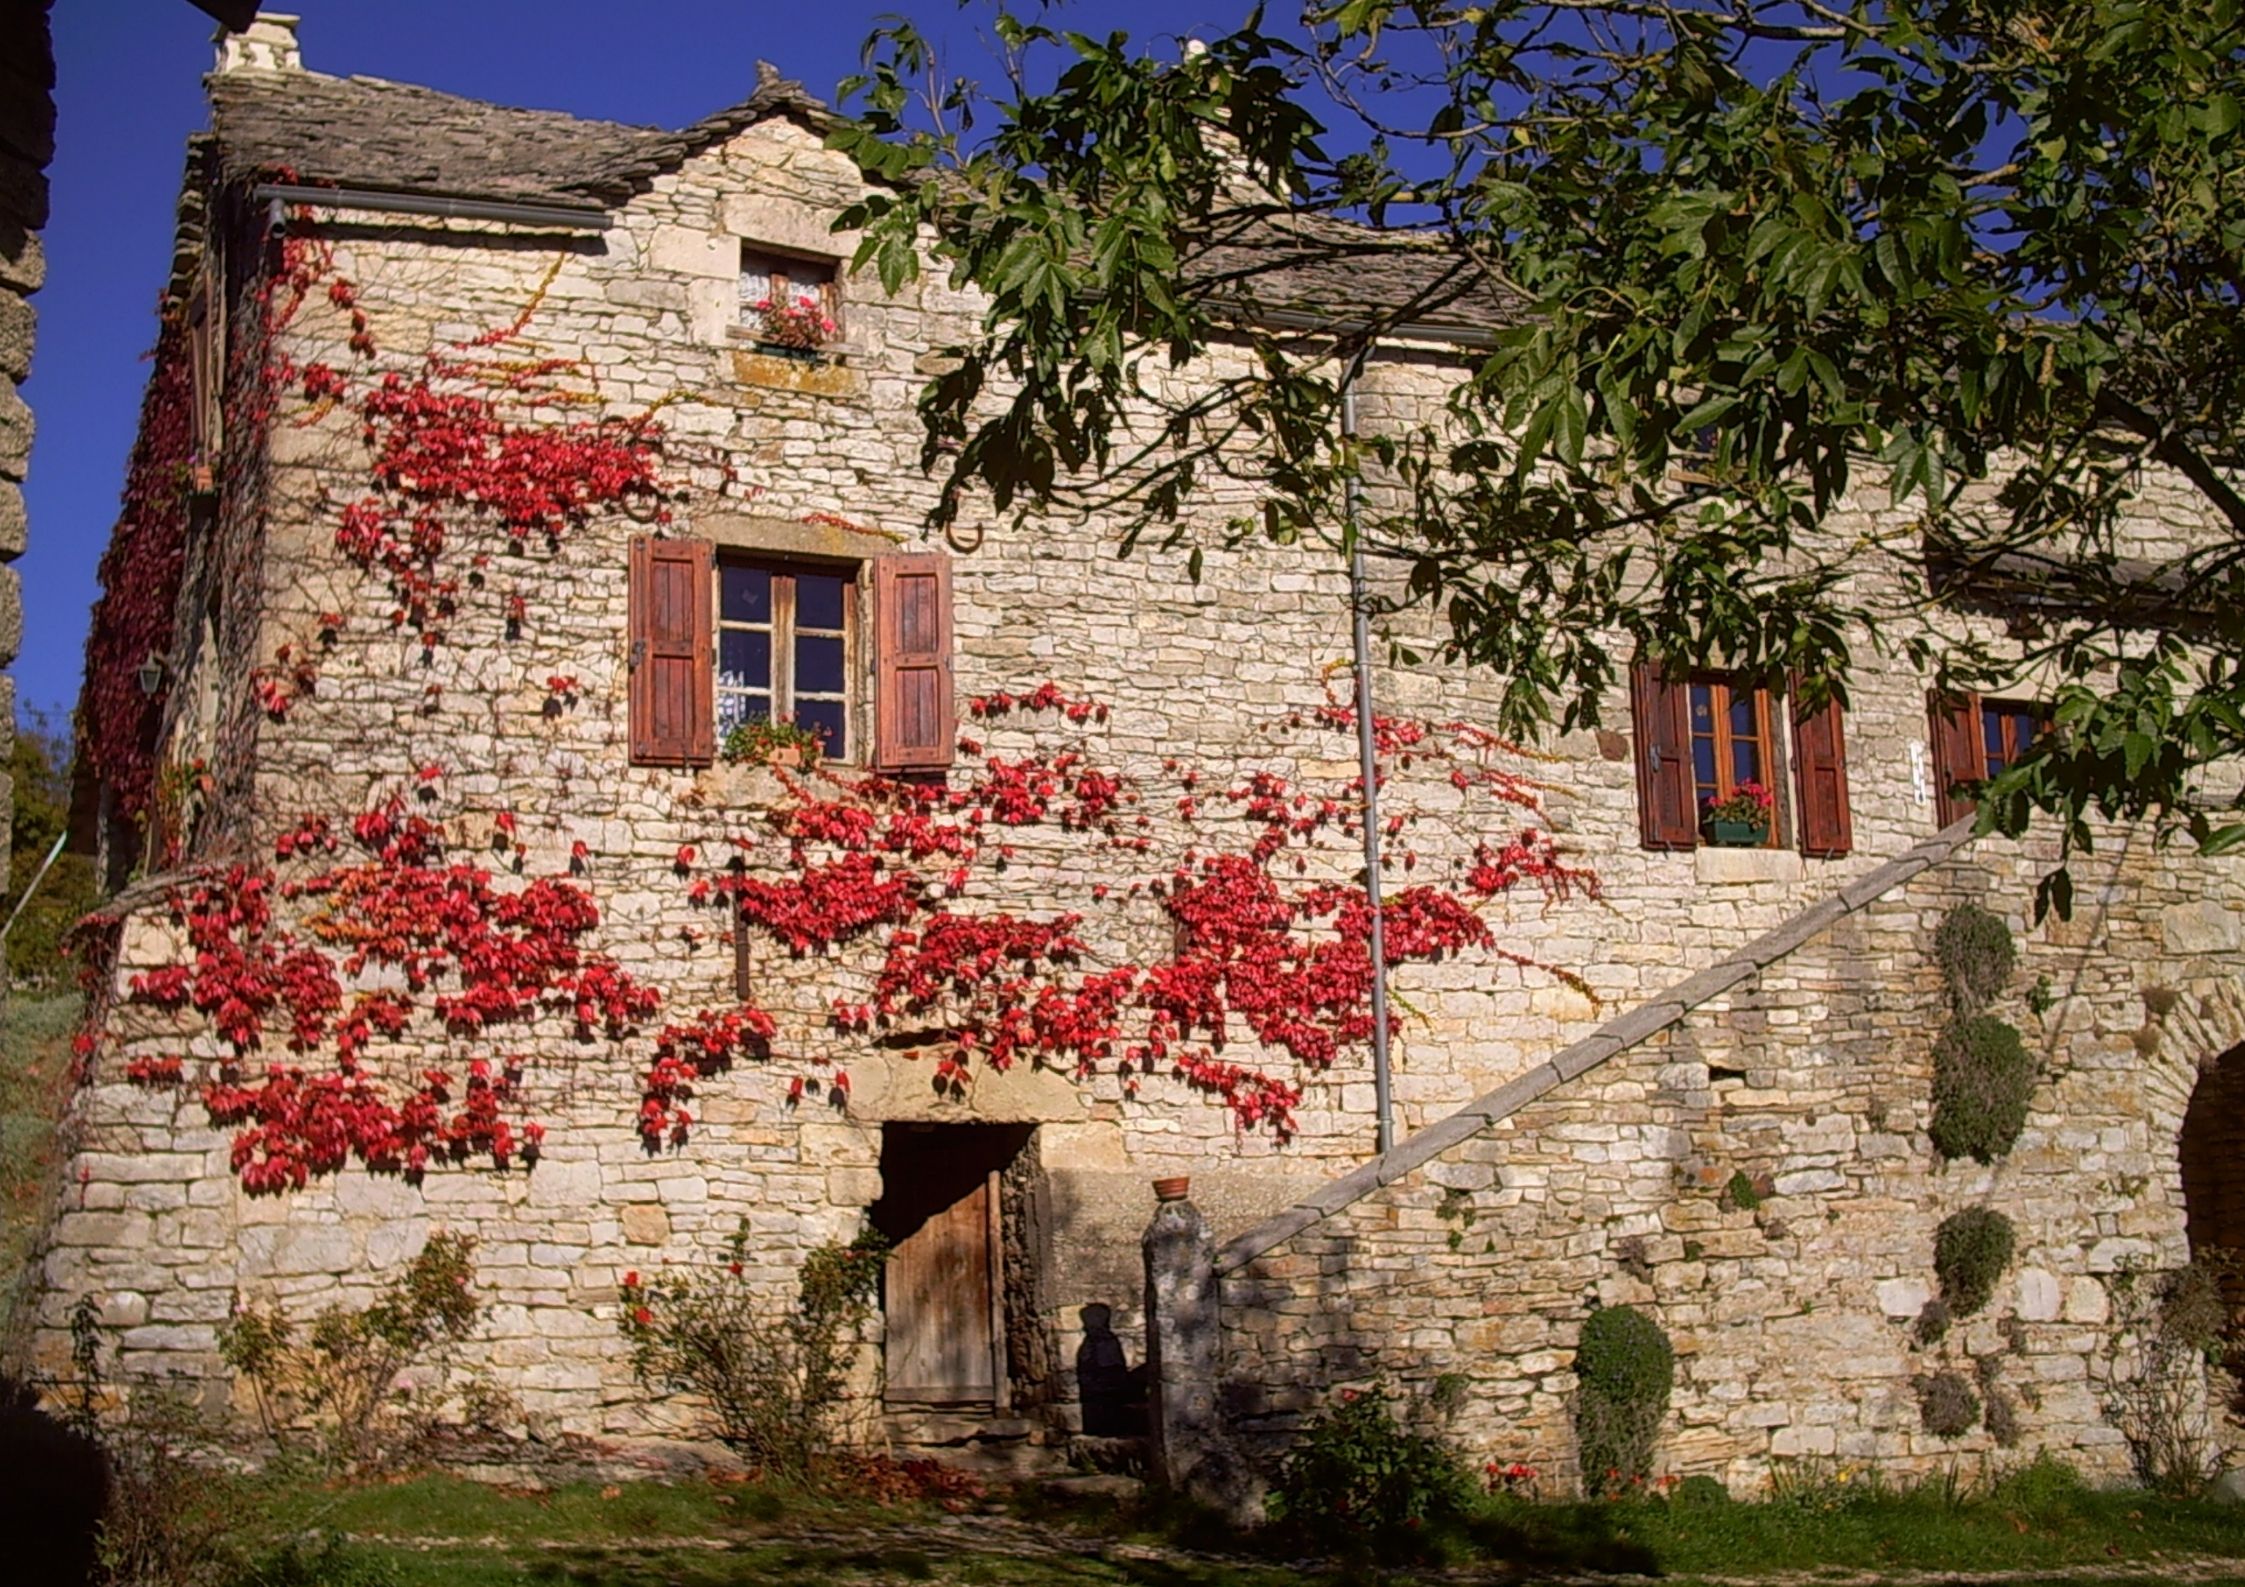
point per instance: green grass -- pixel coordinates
(35, 1060)
(434, 1530)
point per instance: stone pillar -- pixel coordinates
(1188, 1451)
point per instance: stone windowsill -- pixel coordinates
(742, 336)
(1717, 866)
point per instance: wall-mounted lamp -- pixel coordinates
(151, 673)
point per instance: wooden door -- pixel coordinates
(942, 1302)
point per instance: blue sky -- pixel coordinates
(129, 93)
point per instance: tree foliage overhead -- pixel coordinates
(1728, 259)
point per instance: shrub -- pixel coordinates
(774, 1380)
(1701, 1492)
(1982, 1082)
(1976, 955)
(1627, 1370)
(1947, 1405)
(346, 1371)
(1970, 1251)
(2160, 1401)
(1355, 1480)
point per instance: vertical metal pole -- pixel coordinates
(1368, 760)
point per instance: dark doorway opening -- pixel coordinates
(955, 1287)
(2212, 1150)
(2213, 1158)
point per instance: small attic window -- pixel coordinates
(790, 302)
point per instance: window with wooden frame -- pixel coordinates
(790, 302)
(1702, 737)
(1975, 739)
(720, 639)
(786, 638)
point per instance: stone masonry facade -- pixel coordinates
(1791, 1318)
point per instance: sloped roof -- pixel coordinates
(395, 137)
(365, 132)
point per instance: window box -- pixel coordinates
(1737, 834)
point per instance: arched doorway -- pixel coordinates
(2213, 1157)
(2212, 1148)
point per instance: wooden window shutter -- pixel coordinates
(1661, 710)
(1957, 755)
(915, 718)
(1820, 775)
(672, 653)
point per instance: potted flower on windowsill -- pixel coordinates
(764, 742)
(1740, 821)
(793, 330)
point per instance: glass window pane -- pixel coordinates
(744, 659)
(734, 709)
(829, 720)
(744, 595)
(818, 600)
(818, 665)
(1703, 708)
(1703, 763)
(1746, 762)
(1743, 724)
(1991, 733)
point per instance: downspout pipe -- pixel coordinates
(1368, 761)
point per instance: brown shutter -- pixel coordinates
(915, 721)
(1957, 756)
(672, 654)
(1820, 774)
(1666, 813)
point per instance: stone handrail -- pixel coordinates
(1616, 1036)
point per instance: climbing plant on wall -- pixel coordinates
(375, 995)
(1983, 1077)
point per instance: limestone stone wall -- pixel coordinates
(1212, 676)
(1793, 1319)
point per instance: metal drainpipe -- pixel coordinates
(1369, 762)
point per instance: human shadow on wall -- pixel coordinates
(1111, 1392)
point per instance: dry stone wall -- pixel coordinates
(1223, 676)
(1795, 1307)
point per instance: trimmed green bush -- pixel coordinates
(1982, 1082)
(1970, 1251)
(1947, 1406)
(1701, 1492)
(1976, 955)
(1627, 1370)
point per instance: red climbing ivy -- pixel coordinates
(912, 877)
(1244, 922)
(473, 959)
(140, 574)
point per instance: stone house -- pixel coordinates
(536, 466)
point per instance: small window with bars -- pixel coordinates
(784, 641)
(790, 303)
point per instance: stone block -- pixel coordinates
(645, 1223)
(1903, 1298)
(2041, 1296)
(2206, 926)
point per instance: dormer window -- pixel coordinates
(789, 302)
